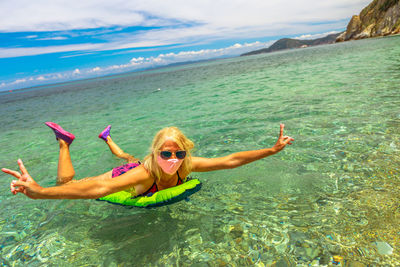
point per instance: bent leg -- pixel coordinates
(117, 151)
(65, 171)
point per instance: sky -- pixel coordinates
(52, 41)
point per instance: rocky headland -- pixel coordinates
(379, 18)
(288, 43)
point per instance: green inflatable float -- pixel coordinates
(160, 198)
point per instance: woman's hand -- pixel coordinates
(282, 141)
(25, 184)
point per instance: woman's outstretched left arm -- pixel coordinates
(93, 188)
(240, 158)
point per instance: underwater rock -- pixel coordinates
(353, 263)
(297, 236)
(384, 248)
(218, 236)
(285, 261)
(200, 264)
(334, 249)
(195, 239)
(236, 231)
(325, 259)
(4, 262)
(253, 257)
(312, 253)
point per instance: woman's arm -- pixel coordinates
(240, 158)
(86, 189)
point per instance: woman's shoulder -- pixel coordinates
(143, 181)
(139, 174)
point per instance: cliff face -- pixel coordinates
(379, 18)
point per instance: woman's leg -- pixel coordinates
(65, 171)
(117, 151)
(101, 177)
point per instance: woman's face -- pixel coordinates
(171, 146)
(170, 163)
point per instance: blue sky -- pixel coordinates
(51, 41)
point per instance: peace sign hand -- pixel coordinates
(25, 184)
(282, 140)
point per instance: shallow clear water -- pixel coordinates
(335, 192)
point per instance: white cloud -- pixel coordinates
(36, 80)
(47, 15)
(218, 14)
(138, 63)
(77, 55)
(95, 69)
(170, 58)
(184, 56)
(177, 23)
(18, 81)
(30, 51)
(193, 22)
(314, 36)
(57, 38)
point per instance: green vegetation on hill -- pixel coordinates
(287, 43)
(379, 18)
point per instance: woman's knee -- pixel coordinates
(64, 179)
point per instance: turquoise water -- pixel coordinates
(335, 192)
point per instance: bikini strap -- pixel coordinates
(179, 178)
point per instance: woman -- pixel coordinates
(168, 164)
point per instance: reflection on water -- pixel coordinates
(332, 196)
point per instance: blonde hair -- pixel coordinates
(173, 133)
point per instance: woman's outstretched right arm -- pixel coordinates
(82, 190)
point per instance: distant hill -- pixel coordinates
(287, 43)
(379, 18)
